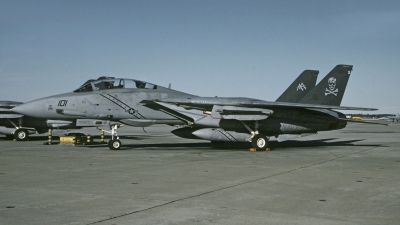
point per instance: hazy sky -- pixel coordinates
(208, 48)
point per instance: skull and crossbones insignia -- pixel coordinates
(332, 86)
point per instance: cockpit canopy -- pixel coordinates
(104, 83)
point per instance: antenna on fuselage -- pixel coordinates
(169, 86)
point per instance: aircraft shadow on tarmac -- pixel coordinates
(57, 138)
(335, 142)
(245, 146)
(274, 145)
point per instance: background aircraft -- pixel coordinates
(11, 123)
(391, 118)
(19, 127)
(140, 103)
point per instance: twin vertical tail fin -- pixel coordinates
(330, 89)
(300, 87)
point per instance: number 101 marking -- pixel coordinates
(62, 102)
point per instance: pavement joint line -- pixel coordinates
(235, 185)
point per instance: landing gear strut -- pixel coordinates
(114, 143)
(258, 141)
(20, 134)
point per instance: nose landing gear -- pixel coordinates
(21, 134)
(114, 143)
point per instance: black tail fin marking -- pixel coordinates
(330, 90)
(300, 87)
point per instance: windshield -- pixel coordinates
(104, 83)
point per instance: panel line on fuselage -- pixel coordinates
(124, 106)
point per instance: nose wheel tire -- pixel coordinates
(259, 142)
(114, 144)
(21, 135)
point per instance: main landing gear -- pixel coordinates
(259, 142)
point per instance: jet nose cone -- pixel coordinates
(21, 109)
(28, 109)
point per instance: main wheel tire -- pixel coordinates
(114, 144)
(259, 142)
(21, 135)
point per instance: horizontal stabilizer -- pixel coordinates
(363, 121)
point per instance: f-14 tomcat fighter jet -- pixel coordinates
(108, 109)
(217, 119)
(20, 126)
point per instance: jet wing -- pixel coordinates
(363, 121)
(197, 110)
(200, 114)
(186, 115)
(209, 102)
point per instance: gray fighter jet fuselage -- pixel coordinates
(108, 103)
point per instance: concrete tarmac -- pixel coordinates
(350, 176)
